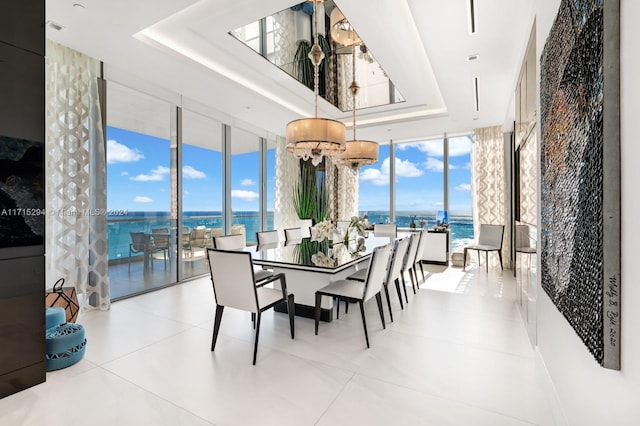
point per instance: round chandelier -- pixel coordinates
(358, 152)
(315, 137)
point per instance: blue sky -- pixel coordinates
(419, 168)
(138, 176)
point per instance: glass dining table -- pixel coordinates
(310, 265)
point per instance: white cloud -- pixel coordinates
(435, 148)
(380, 177)
(142, 199)
(156, 175)
(119, 153)
(190, 173)
(375, 176)
(244, 195)
(463, 187)
(186, 193)
(405, 168)
(459, 146)
(247, 182)
(434, 164)
(124, 174)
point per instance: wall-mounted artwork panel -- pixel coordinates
(580, 173)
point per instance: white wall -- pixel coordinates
(588, 393)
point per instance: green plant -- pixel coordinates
(305, 193)
(322, 201)
(303, 69)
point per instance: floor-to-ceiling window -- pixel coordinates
(245, 184)
(270, 183)
(202, 190)
(461, 225)
(141, 252)
(374, 189)
(419, 177)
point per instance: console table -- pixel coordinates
(436, 248)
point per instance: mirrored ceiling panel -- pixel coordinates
(285, 39)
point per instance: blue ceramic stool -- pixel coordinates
(54, 316)
(65, 345)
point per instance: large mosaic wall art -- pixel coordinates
(580, 173)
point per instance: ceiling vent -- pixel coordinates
(476, 93)
(472, 15)
(54, 25)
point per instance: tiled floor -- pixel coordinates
(458, 354)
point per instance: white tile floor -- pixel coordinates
(458, 354)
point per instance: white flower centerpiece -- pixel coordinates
(355, 229)
(321, 259)
(355, 235)
(322, 230)
(322, 233)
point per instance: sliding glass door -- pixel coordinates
(202, 190)
(141, 252)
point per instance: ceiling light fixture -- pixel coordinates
(312, 138)
(358, 152)
(342, 31)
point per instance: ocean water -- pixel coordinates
(460, 227)
(118, 227)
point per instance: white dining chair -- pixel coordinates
(343, 224)
(236, 242)
(361, 292)
(419, 253)
(408, 266)
(267, 237)
(293, 234)
(524, 245)
(394, 268)
(385, 229)
(490, 239)
(234, 286)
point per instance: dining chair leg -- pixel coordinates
(421, 270)
(404, 287)
(291, 307)
(386, 293)
(464, 260)
(413, 284)
(364, 322)
(486, 260)
(399, 291)
(216, 326)
(379, 301)
(253, 319)
(255, 345)
(337, 302)
(500, 256)
(318, 301)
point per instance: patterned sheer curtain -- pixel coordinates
(287, 170)
(76, 241)
(343, 185)
(488, 174)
